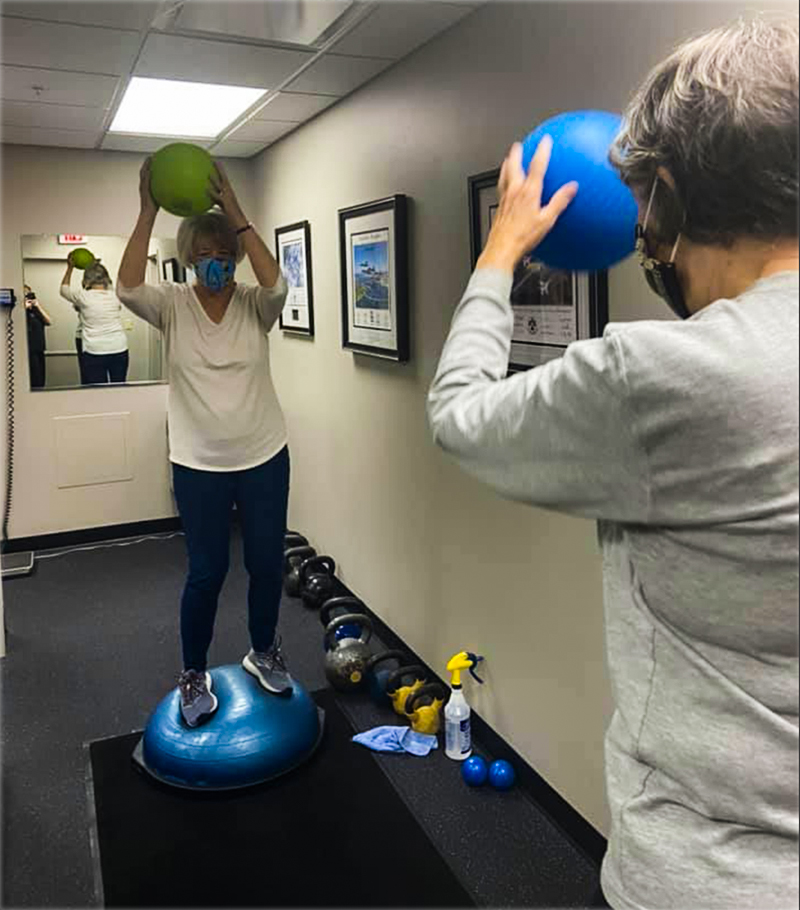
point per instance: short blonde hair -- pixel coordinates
(211, 225)
(721, 115)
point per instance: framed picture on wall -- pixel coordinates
(173, 271)
(552, 308)
(293, 249)
(373, 252)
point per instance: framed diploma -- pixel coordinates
(373, 251)
(552, 308)
(293, 249)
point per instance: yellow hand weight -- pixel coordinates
(426, 718)
(398, 691)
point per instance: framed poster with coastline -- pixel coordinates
(373, 252)
(293, 250)
(552, 308)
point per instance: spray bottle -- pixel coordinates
(457, 734)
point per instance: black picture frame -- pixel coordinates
(588, 290)
(297, 316)
(173, 271)
(384, 330)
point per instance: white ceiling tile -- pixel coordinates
(263, 130)
(233, 149)
(295, 106)
(51, 116)
(69, 47)
(122, 142)
(397, 27)
(27, 135)
(86, 12)
(337, 75)
(198, 60)
(57, 87)
(290, 21)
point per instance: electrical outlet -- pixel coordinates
(128, 323)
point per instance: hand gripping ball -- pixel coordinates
(179, 175)
(598, 227)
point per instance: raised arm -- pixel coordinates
(65, 281)
(263, 262)
(134, 260)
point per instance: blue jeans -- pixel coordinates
(205, 501)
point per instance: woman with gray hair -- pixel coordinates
(681, 438)
(227, 436)
(103, 356)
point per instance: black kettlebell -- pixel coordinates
(292, 560)
(346, 660)
(398, 690)
(317, 577)
(294, 539)
(378, 676)
(342, 605)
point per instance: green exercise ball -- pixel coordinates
(179, 175)
(82, 258)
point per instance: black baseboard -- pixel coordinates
(92, 535)
(564, 816)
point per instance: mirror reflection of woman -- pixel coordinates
(227, 436)
(104, 353)
(37, 320)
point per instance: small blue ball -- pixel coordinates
(474, 770)
(501, 775)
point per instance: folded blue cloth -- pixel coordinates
(396, 739)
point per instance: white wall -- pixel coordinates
(444, 561)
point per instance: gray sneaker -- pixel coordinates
(197, 699)
(269, 668)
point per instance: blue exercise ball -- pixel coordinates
(253, 736)
(598, 227)
(474, 771)
(501, 774)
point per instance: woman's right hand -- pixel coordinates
(149, 205)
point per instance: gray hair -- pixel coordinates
(208, 226)
(720, 114)
(96, 274)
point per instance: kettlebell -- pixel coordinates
(294, 539)
(292, 560)
(378, 676)
(346, 660)
(343, 605)
(426, 718)
(397, 692)
(317, 580)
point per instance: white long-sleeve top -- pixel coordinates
(682, 438)
(223, 413)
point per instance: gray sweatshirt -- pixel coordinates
(681, 438)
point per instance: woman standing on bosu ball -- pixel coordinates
(681, 437)
(227, 436)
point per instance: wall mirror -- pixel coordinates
(62, 332)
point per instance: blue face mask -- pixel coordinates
(215, 274)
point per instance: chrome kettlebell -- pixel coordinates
(292, 560)
(346, 660)
(342, 605)
(398, 691)
(426, 718)
(317, 580)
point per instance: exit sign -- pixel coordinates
(72, 238)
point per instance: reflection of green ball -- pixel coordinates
(179, 175)
(82, 258)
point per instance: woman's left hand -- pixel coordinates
(222, 193)
(521, 222)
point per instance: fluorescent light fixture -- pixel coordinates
(163, 107)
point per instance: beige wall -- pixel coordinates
(444, 561)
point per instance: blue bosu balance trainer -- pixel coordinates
(252, 737)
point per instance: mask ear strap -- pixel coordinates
(650, 202)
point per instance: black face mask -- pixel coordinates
(662, 277)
